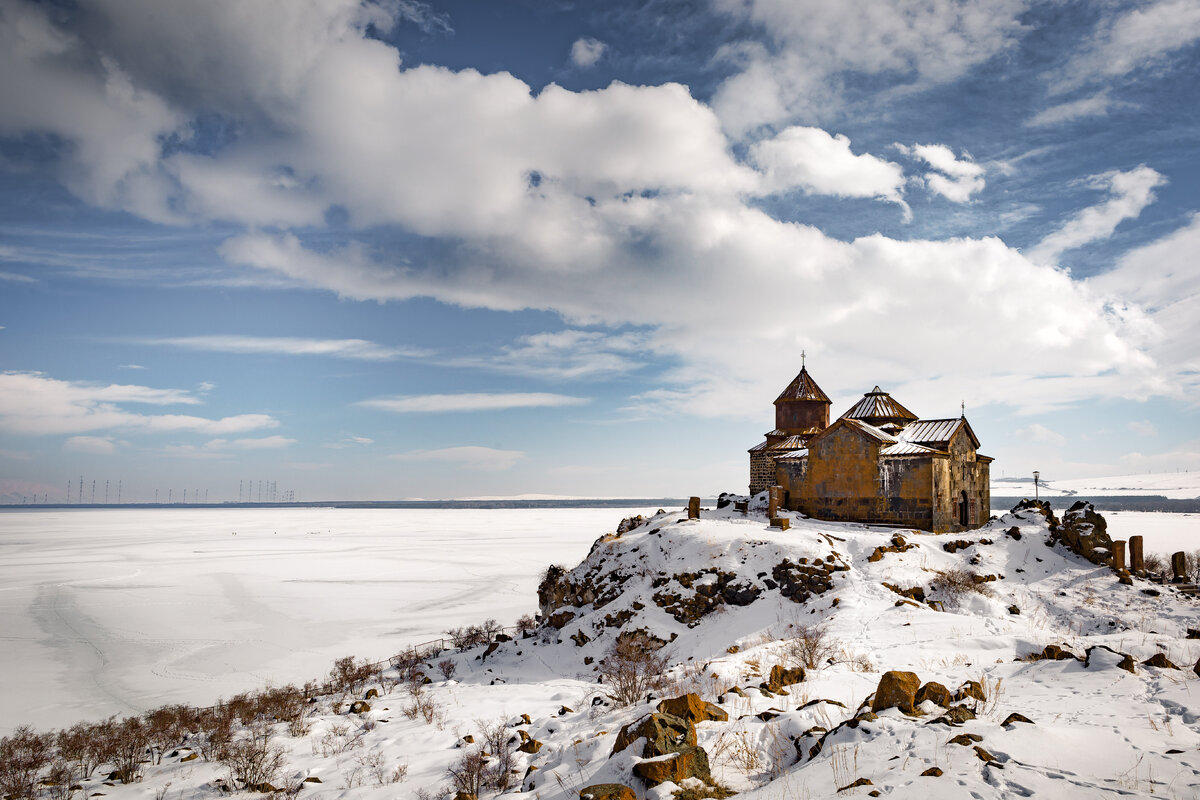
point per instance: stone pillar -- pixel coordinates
(1179, 567)
(1136, 565)
(1118, 555)
(694, 508)
(774, 501)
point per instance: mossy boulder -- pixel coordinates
(607, 791)
(933, 692)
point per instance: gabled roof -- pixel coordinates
(879, 405)
(936, 433)
(803, 387)
(889, 445)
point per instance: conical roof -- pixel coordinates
(803, 387)
(878, 407)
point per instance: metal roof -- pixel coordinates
(871, 430)
(794, 455)
(803, 387)
(907, 449)
(879, 405)
(935, 432)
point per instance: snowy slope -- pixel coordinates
(1172, 485)
(715, 588)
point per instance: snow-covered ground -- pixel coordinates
(1172, 485)
(117, 611)
(1091, 728)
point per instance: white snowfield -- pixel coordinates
(1172, 485)
(1096, 730)
(119, 611)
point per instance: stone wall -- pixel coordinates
(762, 472)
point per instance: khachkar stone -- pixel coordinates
(1179, 567)
(1136, 564)
(1118, 555)
(693, 508)
(774, 501)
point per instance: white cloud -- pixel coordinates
(351, 441)
(624, 206)
(130, 366)
(436, 403)
(1042, 435)
(954, 178)
(1096, 105)
(469, 457)
(1143, 427)
(95, 445)
(1130, 192)
(1130, 40)
(585, 52)
(1158, 287)
(34, 404)
(358, 349)
(813, 46)
(264, 443)
(16, 277)
(566, 355)
(819, 163)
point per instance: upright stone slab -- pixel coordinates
(1136, 564)
(1118, 554)
(1178, 567)
(693, 508)
(774, 501)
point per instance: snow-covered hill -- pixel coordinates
(1172, 485)
(730, 600)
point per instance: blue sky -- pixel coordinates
(402, 249)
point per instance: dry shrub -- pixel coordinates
(631, 668)
(337, 740)
(60, 779)
(526, 625)
(350, 674)
(128, 740)
(811, 646)
(447, 668)
(168, 726)
(467, 774)
(253, 760)
(955, 583)
(80, 746)
(23, 756)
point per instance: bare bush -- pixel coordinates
(168, 726)
(810, 646)
(23, 756)
(497, 741)
(955, 583)
(469, 772)
(422, 706)
(466, 637)
(78, 745)
(60, 779)
(253, 760)
(447, 668)
(631, 668)
(526, 625)
(130, 739)
(350, 674)
(374, 764)
(338, 739)
(1155, 563)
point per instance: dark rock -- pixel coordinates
(664, 733)
(954, 717)
(1159, 660)
(360, 707)
(859, 782)
(689, 762)
(1015, 718)
(782, 676)
(934, 692)
(970, 689)
(984, 755)
(932, 772)
(966, 739)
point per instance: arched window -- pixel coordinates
(964, 506)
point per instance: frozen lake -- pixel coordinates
(113, 611)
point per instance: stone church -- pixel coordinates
(877, 463)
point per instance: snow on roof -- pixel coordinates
(907, 449)
(935, 432)
(794, 455)
(878, 404)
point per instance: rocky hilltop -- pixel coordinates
(705, 657)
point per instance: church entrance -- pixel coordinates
(964, 505)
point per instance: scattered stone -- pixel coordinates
(933, 692)
(1014, 718)
(1159, 660)
(932, 772)
(693, 509)
(371, 694)
(360, 707)
(607, 791)
(984, 755)
(313, 779)
(1196, 669)
(966, 739)
(1053, 652)
(560, 619)
(664, 733)
(530, 745)
(954, 717)
(689, 762)
(1102, 655)
(465, 796)
(566, 710)
(896, 689)
(1085, 532)
(525, 720)
(690, 707)
(782, 676)
(859, 782)
(1013, 609)
(190, 757)
(970, 689)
